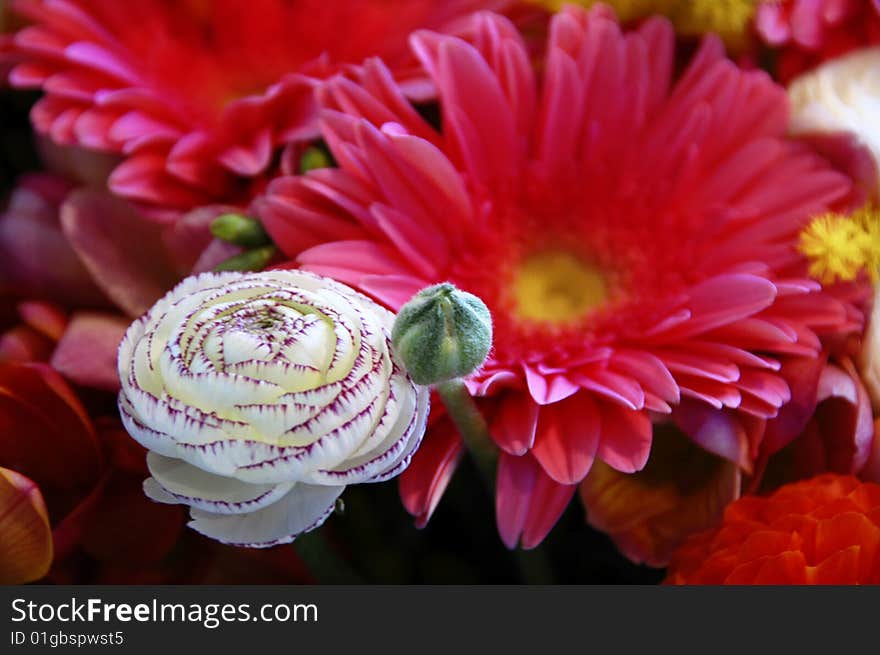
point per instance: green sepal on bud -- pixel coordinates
(240, 230)
(249, 260)
(442, 333)
(314, 158)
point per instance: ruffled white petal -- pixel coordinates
(175, 481)
(304, 508)
(261, 395)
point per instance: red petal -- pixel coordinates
(422, 484)
(127, 527)
(46, 434)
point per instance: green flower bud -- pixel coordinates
(442, 333)
(240, 230)
(249, 260)
(314, 157)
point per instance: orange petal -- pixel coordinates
(25, 535)
(839, 569)
(765, 543)
(681, 490)
(44, 317)
(846, 530)
(786, 568)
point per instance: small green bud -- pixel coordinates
(240, 230)
(442, 333)
(249, 260)
(313, 158)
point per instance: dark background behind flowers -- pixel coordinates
(372, 531)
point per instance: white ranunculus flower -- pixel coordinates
(260, 396)
(841, 95)
(871, 354)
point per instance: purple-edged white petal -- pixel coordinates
(251, 390)
(176, 482)
(304, 508)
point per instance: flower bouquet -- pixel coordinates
(590, 288)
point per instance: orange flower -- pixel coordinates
(825, 530)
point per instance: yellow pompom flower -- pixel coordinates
(840, 247)
(730, 19)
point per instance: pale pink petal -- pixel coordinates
(87, 352)
(123, 251)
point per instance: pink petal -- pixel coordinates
(616, 388)
(548, 502)
(143, 177)
(651, 373)
(86, 353)
(515, 482)
(37, 258)
(567, 438)
(803, 375)
(392, 290)
(724, 299)
(626, 438)
(482, 125)
(513, 426)
(366, 257)
(122, 250)
(249, 160)
(215, 254)
(772, 24)
(717, 431)
(188, 238)
(296, 227)
(547, 389)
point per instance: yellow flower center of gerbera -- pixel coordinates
(557, 287)
(728, 18)
(840, 247)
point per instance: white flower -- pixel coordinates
(260, 396)
(841, 95)
(871, 354)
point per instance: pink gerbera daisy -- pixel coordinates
(197, 95)
(633, 234)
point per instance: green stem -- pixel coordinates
(322, 561)
(534, 565)
(472, 426)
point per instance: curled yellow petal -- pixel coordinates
(25, 534)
